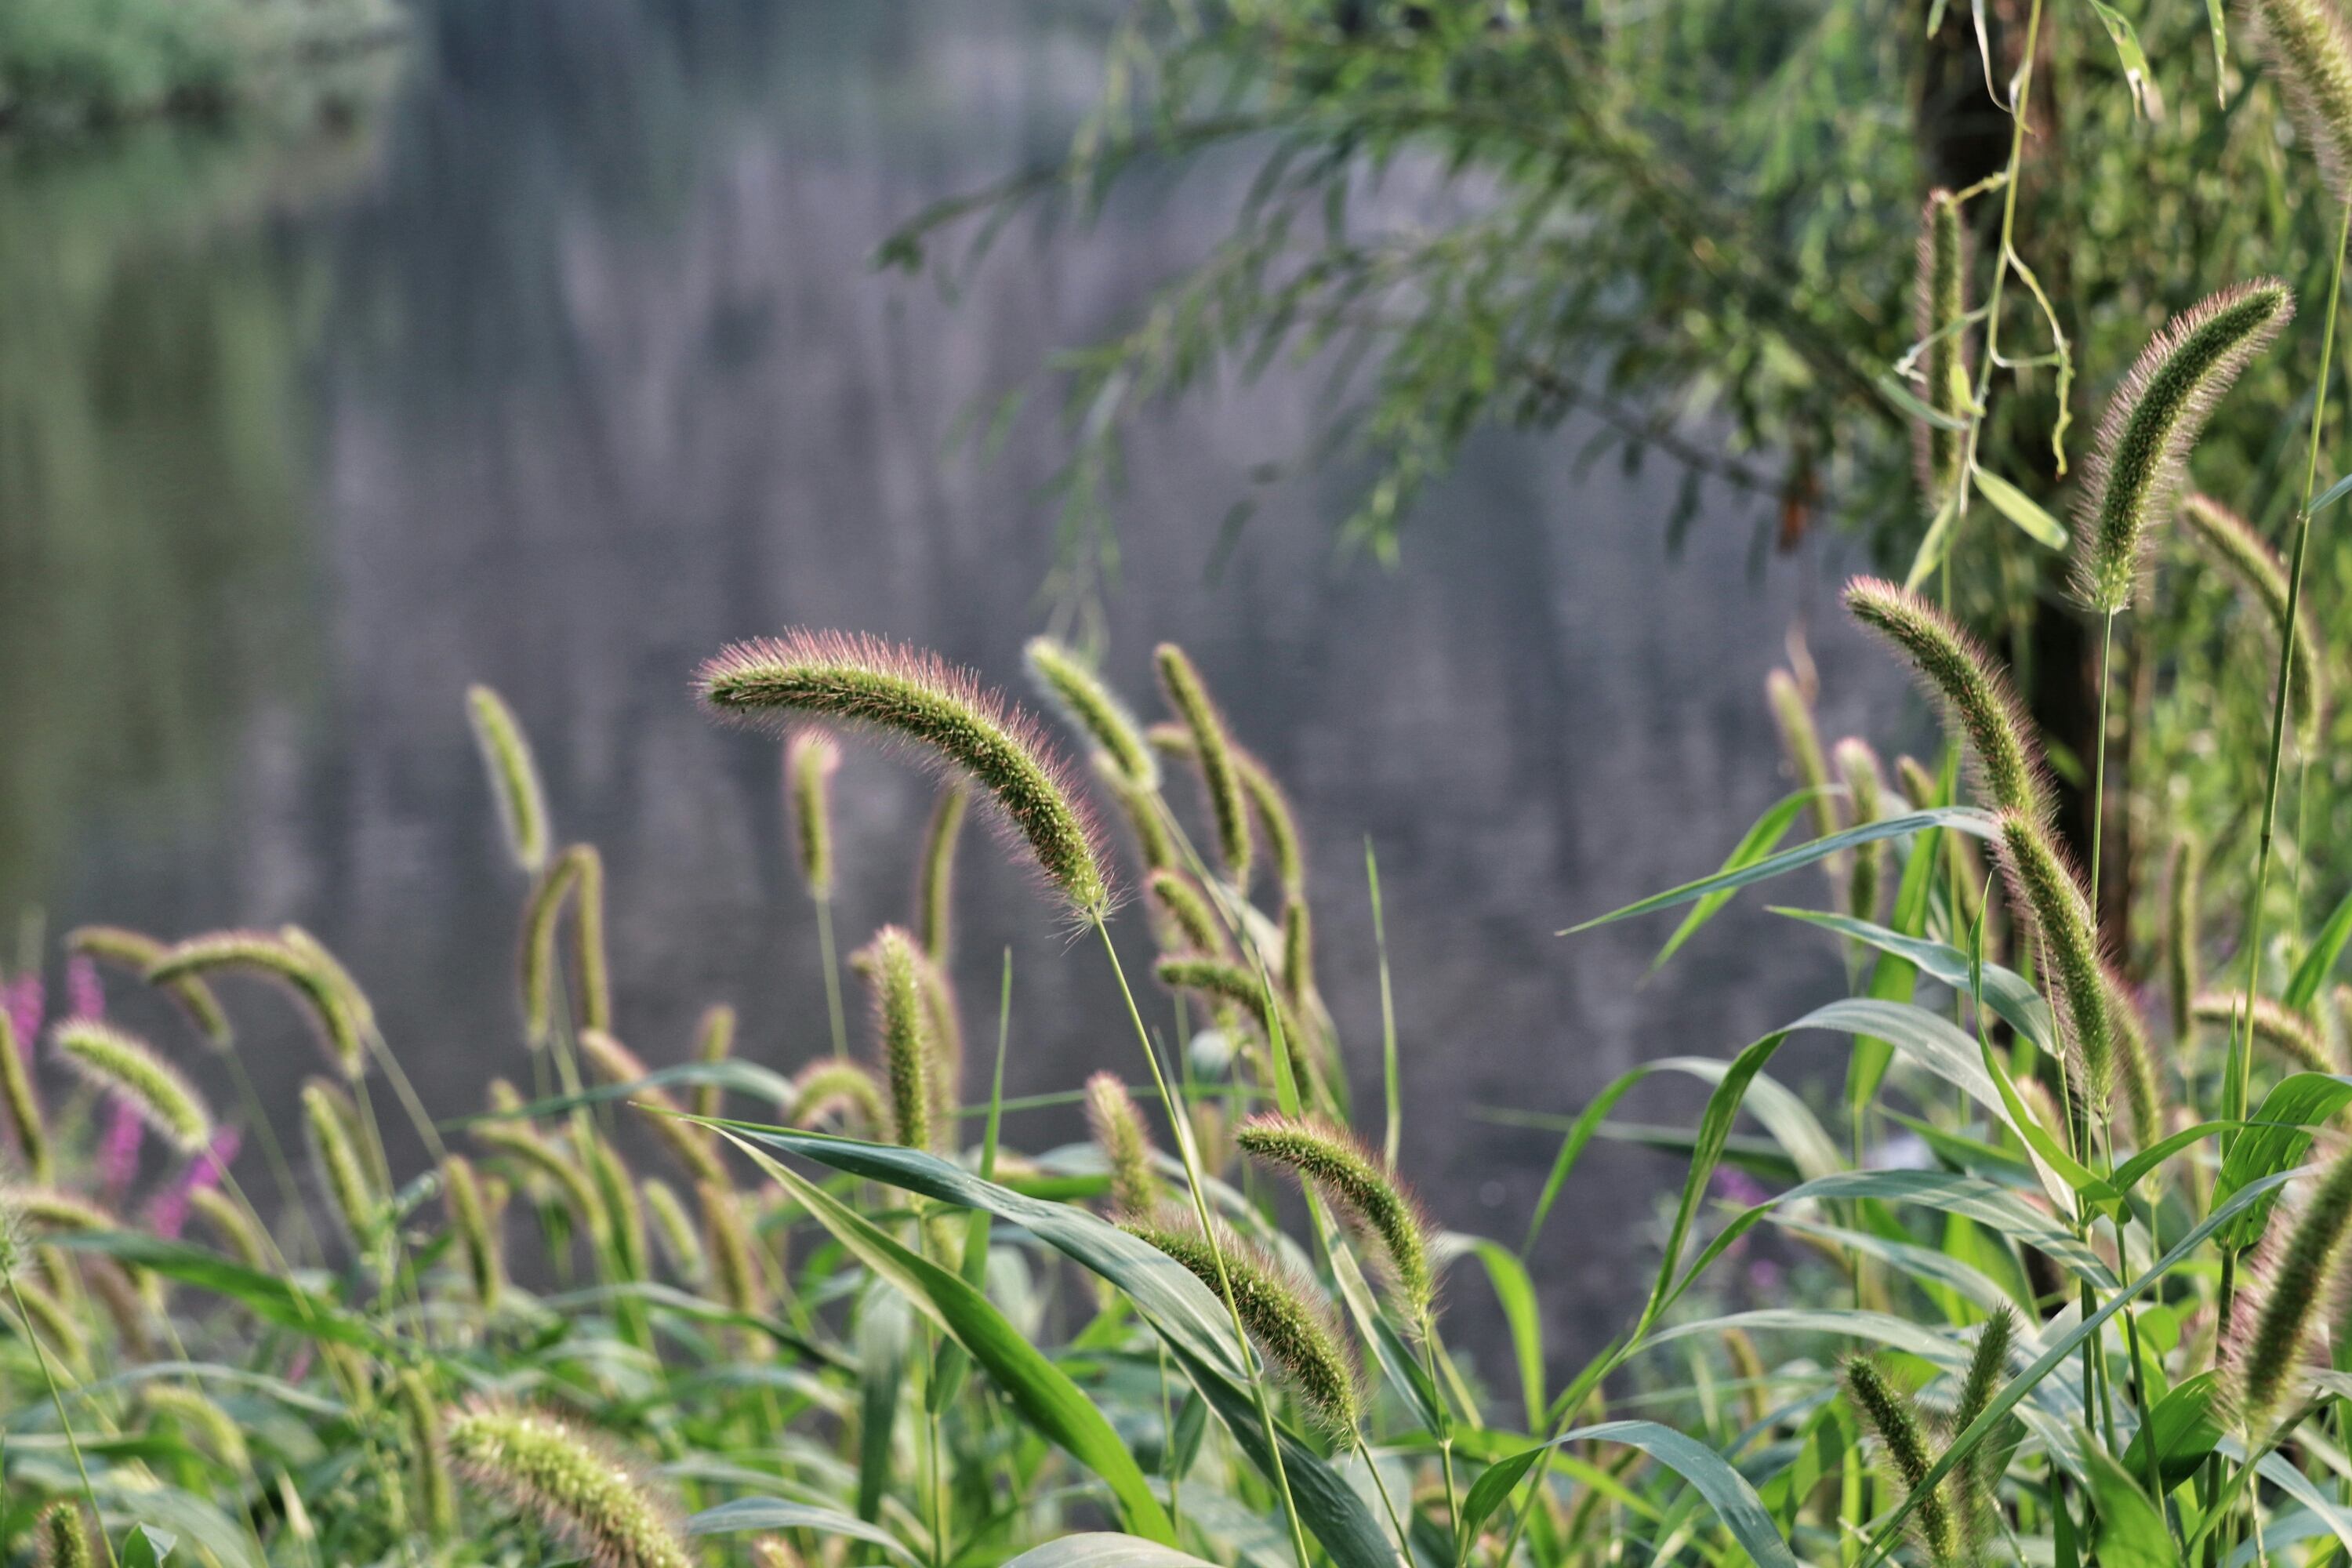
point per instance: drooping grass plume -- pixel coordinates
(269, 955)
(1940, 300)
(674, 1230)
(232, 1224)
(714, 1040)
(1793, 717)
(617, 1189)
(1921, 789)
(1282, 1314)
(436, 1496)
(595, 1001)
(1866, 791)
(693, 1147)
(946, 1037)
(1897, 1421)
(200, 1418)
(1222, 981)
(1298, 951)
(902, 1030)
(726, 1242)
(2291, 1297)
(1140, 807)
(327, 1118)
(2042, 884)
(2308, 46)
(469, 1223)
(935, 889)
(139, 952)
(23, 1103)
(1955, 668)
(1094, 709)
(2184, 866)
(1364, 1189)
(2155, 416)
(514, 777)
(1212, 754)
(535, 1155)
(2233, 543)
(1118, 1131)
(1976, 1478)
(1188, 912)
(917, 697)
(836, 1086)
(54, 1210)
(63, 1535)
(2293, 1035)
(811, 759)
(542, 914)
(45, 1315)
(120, 1063)
(1276, 820)
(2141, 1080)
(572, 1484)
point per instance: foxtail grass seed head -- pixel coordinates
(1865, 790)
(54, 1211)
(1094, 709)
(199, 1418)
(2291, 1297)
(1118, 1131)
(616, 1188)
(120, 1063)
(595, 1001)
(842, 1088)
(674, 1232)
(2183, 871)
(1220, 982)
(2151, 422)
(691, 1146)
(1955, 668)
(1897, 1421)
(63, 1531)
(944, 712)
(535, 1156)
(571, 1484)
(1792, 716)
(935, 889)
(1276, 821)
(327, 1121)
(138, 952)
(1921, 789)
(268, 954)
(1298, 951)
(1364, 1187)
(714, 1041)
(514, 777)
(902, 1027)
(1280, 1311)
(47, 1316)
(2142, 1080)
(2043, 885)
(726, 1242)
(2292, 1033)
(2308, 46)
(1187, 913)
(542, 914)
(469, 1223)
(437, 1496)
(1939, 302)
(946, 1037)
(1140, 807)
(232, 1224)
(1212, 754)
(811, 759)
(2231, 541)
(23, 1103)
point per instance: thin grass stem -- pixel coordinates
(833, 1010)
(1391, 1079)
(41, 1355)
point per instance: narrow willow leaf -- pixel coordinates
(2022, 509)
(1966, 819)
(1044, 1394)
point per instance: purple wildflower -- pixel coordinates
(168, 1213)
(118, 1151)
(1735, 1185)
(23, 998)
(85, 997)
(1764, 1279)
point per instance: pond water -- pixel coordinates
(561, 366)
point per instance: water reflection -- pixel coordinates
(587, 377)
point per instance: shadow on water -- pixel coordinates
(581, 374)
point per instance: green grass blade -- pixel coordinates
(2277, 1139)
(1759, 842)
(1971, 1197)
(1966, 819)
(1516, 1293)
(266, 1296)
(1714, 1129)
(2005, 991)
(774, 1513)
(1572, 1145)
(1054, 1404)
(1392, 1077)
(1105, 1551)
(2326, 947)
(1735, 1502)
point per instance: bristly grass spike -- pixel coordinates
(1212, 754)
(1091, 707)
(572, 1484)
(120, 1063)
(514, 777)
(2309, 49)
(1955, 668)
(811, 759)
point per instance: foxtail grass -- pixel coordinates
(469, 1223)
(2183, 864)
(2135, 1065)
(916, 698)
(840, 1087)
(572, 1485)
(811, 759)
(1225, 982)
(1140, 809)
(2042, 885)
(1365, 1189)
(1094, 710)
(726, 1244)
(436, 1494)
(1117, 1129)
(2231, 541)
(1212, 754)
(2294, 1295)
(902, 1032)
(327, 1121)
(935, 887)
(1954, 668)
(675, 1231)
(272, 957)
(62, 1533)
(2309, 49)
(616, 1189)
(1904, 1439)
(1858, 770)
(1298, 952)
(1940, 303)
(1800, 743)
(232, 1224)
(714, 1042)
(120, 1063)
(24, 1105)
(139, 952)
(2293, 1035)
(1188, 914)
(514, 777)
(692, 1147)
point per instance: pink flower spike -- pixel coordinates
(118, 1151)
(86, 997)
(23, 998)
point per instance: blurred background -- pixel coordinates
(542, 347)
